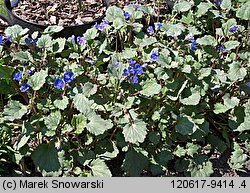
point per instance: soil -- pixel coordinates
(67, 12)
(58, 12)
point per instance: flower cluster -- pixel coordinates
(193, 46)
(154, 55)
(67, 78)
(157, 26)
(18, 77)
(126, 15)
(29, 41)
(233, 29)
(8, 38)
(102, 25)
(150, 30)
(248, 84)
(217, 2)
(80, 40)
(133, 71)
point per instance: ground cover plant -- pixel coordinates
(136, 95)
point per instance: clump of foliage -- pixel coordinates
(161, 93)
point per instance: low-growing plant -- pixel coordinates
(161, 94)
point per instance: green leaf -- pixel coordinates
(200, 167)
(244, 11)
(245, 125)
(82, 104)
(52, 122)
(135, 132)
(193, 99)
(236, 71)
(58, 45)
(135, 161)
(114, 12)
(164, 59)
(207, 40)
(150, 88)
(148, 41)
(220, 108)
(91, 34)
(61, 103)
(118, 23)
(22, 56)
(6, 72)
(231, 45)
(128, 53)
(226, 4)
(98, 125)
(89, 89)
(179, 151)
(182, 6)
(16, 31)
(37, 80)
(230, 102)
(175, 29)
(79, 122)
(185, 125)
(14, 110)
(52, 29)
(238, 158)
(45, 157)
(45, 41)
(100, 169)
(202, 9)
(106, 150)
(85, 156)
(217, 143)
(27, 130)
(192, 149)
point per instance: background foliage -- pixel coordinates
(138, 94)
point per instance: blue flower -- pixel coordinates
(136, 6)
(116, 64)
(221, 48)
(154, 56)
(131, 62)
(59, 84)
(9, 38)
(72, 38)
(126, 72)
(248, 84)
(17, 76)
(193, 46)
(59, 148)
(24, 87)
(220, 14)
(68, 77)
(30, 41)
(101, 26)
(233, 29)
(190, 36)
(157, 26)
(138, 69)
(131, 70)
(217, 2)
(1, 40)
(134, 79)
(81, 40)
(150, 30)
(126, 15)
(29, 72)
